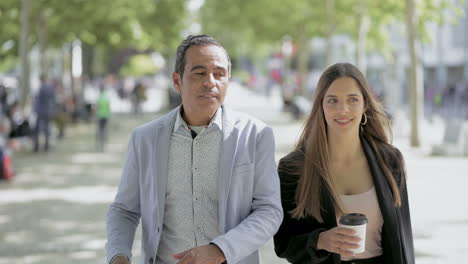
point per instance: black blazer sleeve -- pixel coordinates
(406, 232)
(405, 239)
(296, 240)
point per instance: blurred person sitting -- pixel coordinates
(5, 129)
(6, 166)
(18, 125)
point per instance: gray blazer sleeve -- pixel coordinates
(124, 213)
(266, 212)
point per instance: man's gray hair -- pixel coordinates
(195, 40)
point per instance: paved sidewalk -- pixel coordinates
(54, 211)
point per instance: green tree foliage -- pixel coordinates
(9, 29)
(253, 23)
(145, 24)
(139, 65)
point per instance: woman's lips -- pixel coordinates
(343, 122)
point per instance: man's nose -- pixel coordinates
(210, 80)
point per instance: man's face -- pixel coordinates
(205, 81)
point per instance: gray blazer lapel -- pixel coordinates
(161, 155)
(226, 164)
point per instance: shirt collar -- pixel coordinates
(216, 120)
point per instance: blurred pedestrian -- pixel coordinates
(6, 165)
(202, 178)
(103, 111)
(3, 99)
(61, 117)
(138, 97)
(343, 163)
(44, 106)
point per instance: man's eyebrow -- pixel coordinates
(221, 68)
(197, 67)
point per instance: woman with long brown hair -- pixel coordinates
(344, 163)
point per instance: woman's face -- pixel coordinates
(343, 106)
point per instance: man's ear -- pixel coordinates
(176, 81)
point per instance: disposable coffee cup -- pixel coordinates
(358, 223)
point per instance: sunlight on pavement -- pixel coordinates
(84, 255)
(95, 244)
(93, 158)
(83, 194)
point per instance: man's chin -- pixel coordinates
(212, 106)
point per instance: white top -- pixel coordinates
(366, 203)
(191, 215)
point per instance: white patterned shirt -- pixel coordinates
(191, 211)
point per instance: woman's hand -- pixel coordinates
(338, 240)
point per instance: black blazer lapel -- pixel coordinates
(390, 231)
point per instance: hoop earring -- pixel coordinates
(365, 120)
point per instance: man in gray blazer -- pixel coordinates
(202, 178)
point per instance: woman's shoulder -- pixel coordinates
(392, 155)
(289, 169)
(296, 155)
(291, 162)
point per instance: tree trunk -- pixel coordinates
(303, 54)
(286, 81)
(42, 41)
(441, 68)
(465, 73)
(72, 80)
(330, 6)
(416, 85)
(24, 52)
(88, 58)
(393, 90)
(77, 73)
(364, 22)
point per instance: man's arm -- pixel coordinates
(124, 213)
(267, 213)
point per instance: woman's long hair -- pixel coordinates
(314, 169)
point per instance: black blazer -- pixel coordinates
(296, 239)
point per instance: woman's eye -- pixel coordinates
(332, 101)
